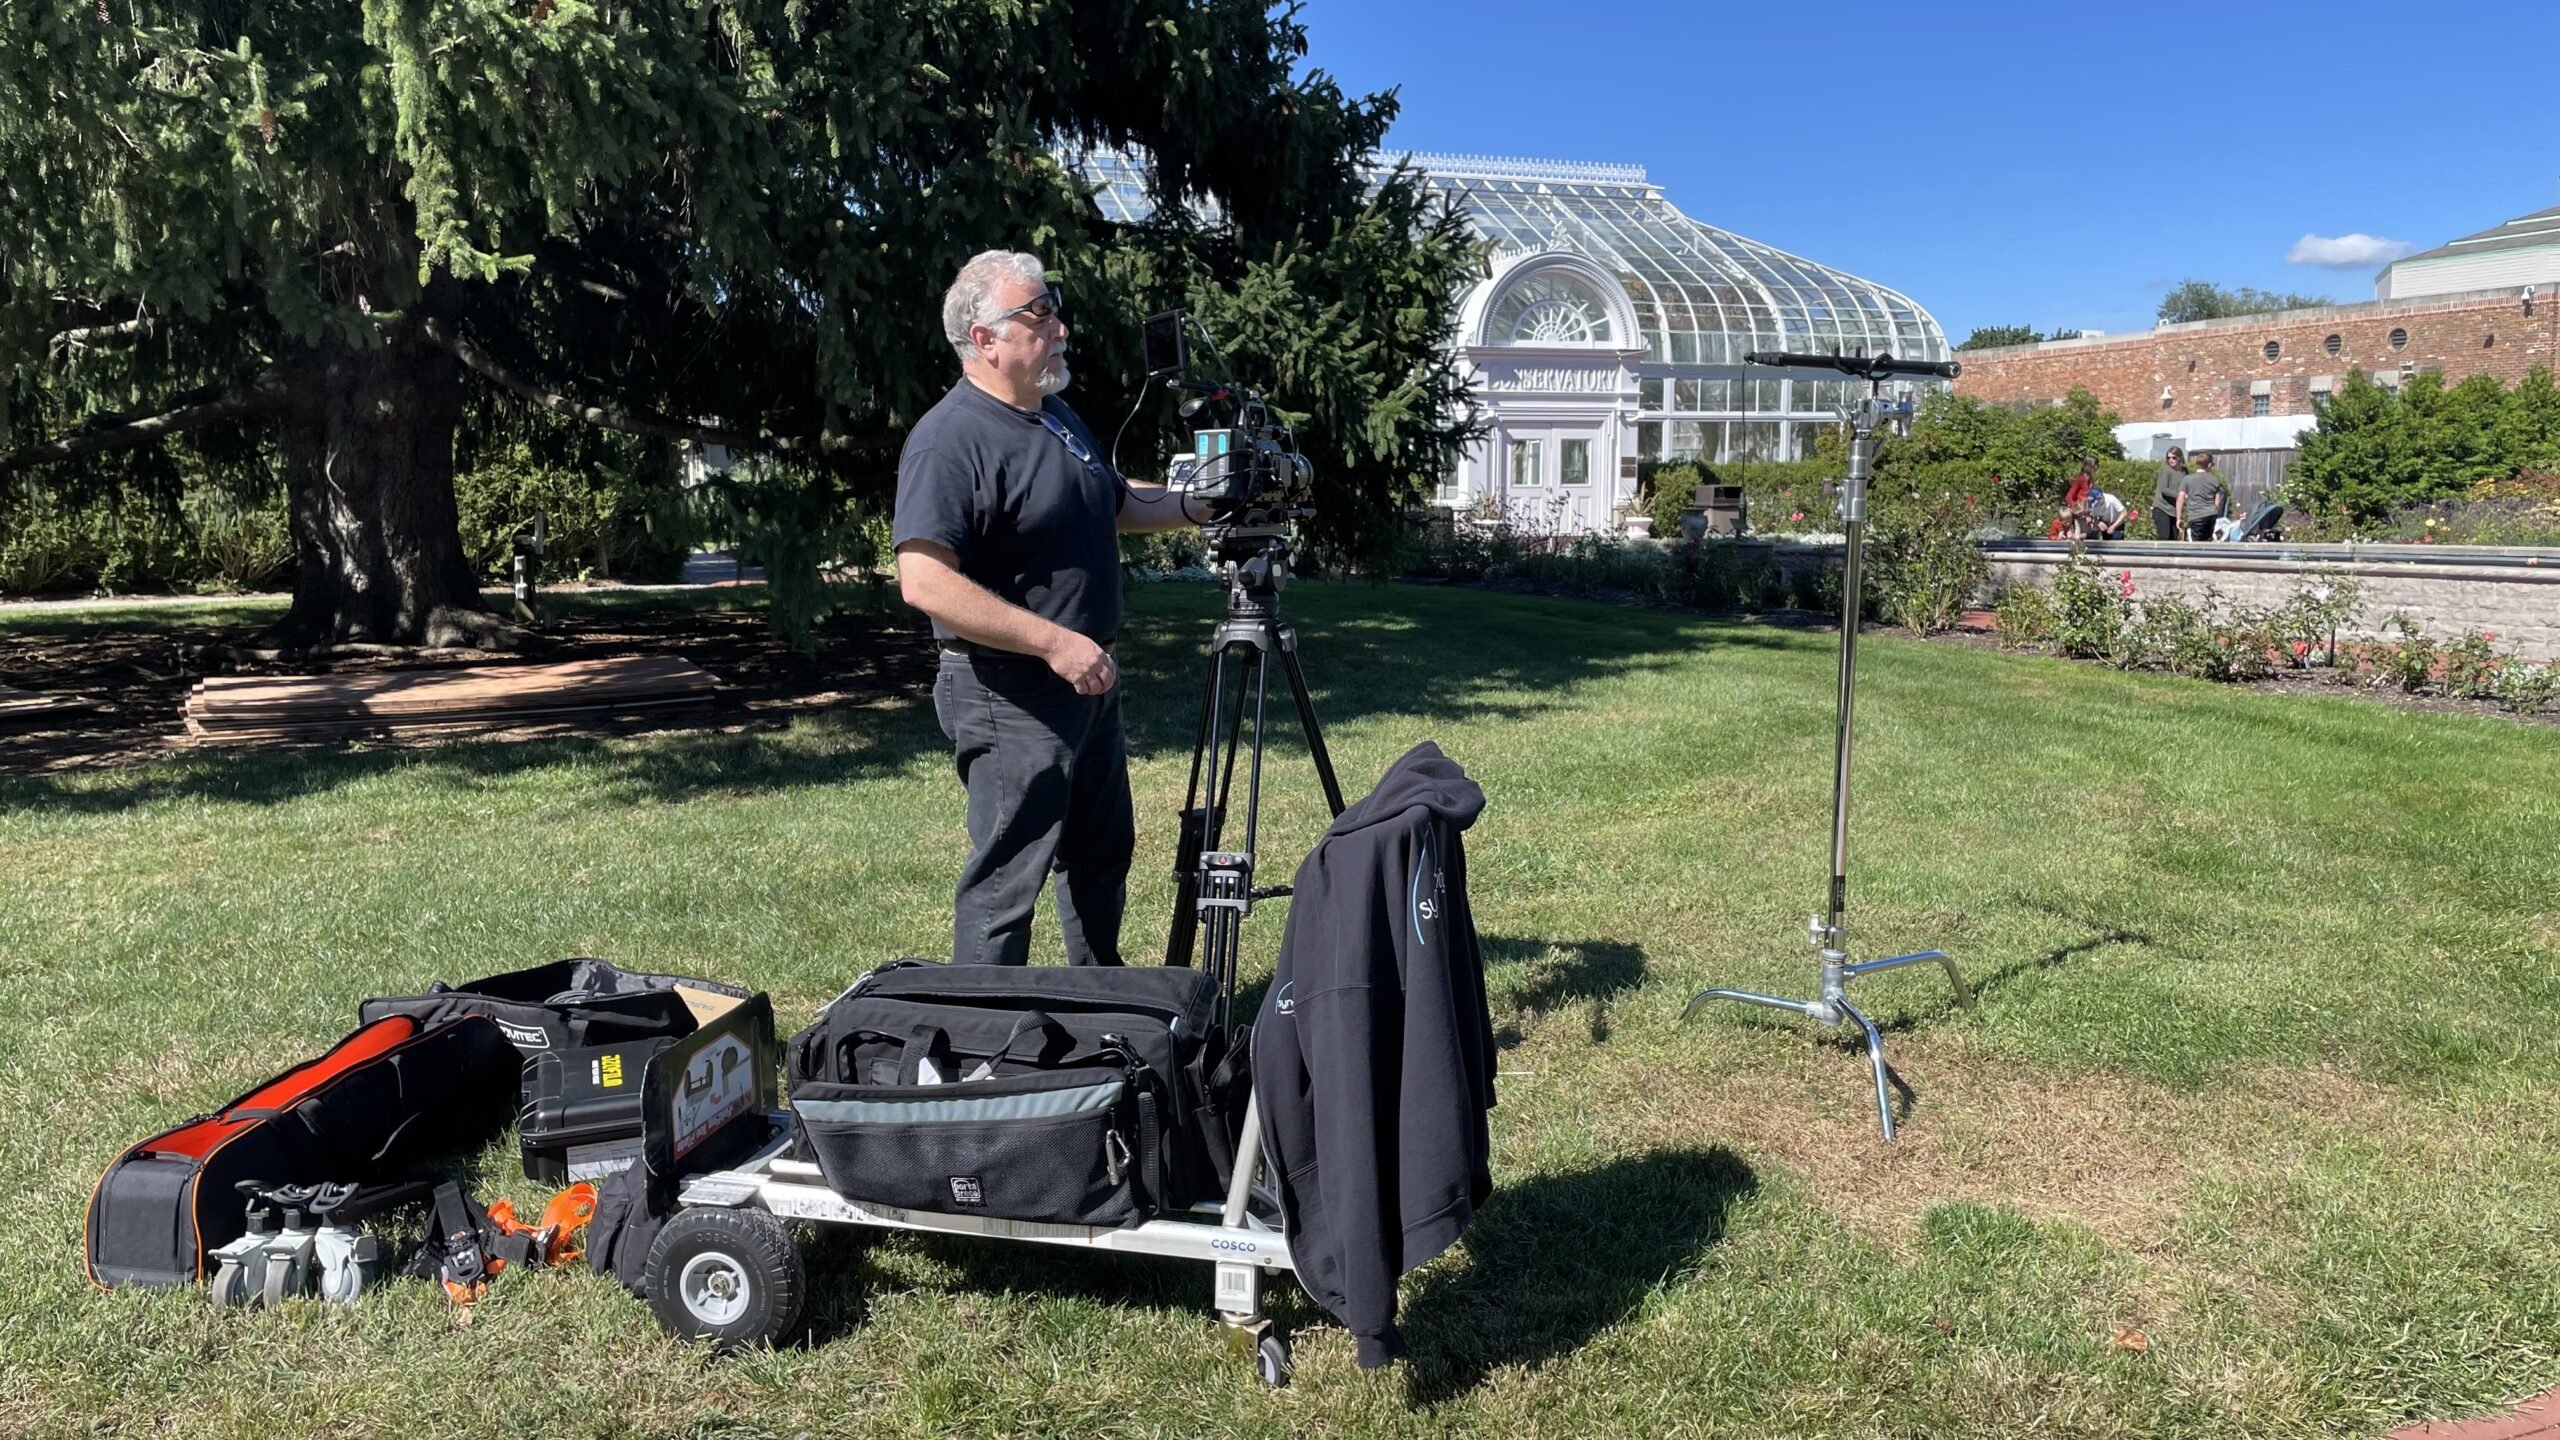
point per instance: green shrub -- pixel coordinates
(237, 546)
(2024, 615)
(1926, 566)
(2525, 688)
(609, 508)
(1667, 489)
(2469, 665)
(2410, 661)
(49, 546)
(2092, 611)
(2324, 602)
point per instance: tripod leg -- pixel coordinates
(1197, 822)
(1875, 1058)
(1288, 641)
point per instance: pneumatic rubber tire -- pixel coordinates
(731, 1277)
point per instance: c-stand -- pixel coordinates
(1830, 937)
(1214, 887)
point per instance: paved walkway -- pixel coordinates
(708, 567)
(2536, 1419)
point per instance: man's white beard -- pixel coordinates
(1054, 379)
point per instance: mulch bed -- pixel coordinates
(135, 682)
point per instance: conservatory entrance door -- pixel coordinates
(1551, 479)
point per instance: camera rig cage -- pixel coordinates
(1247, 471)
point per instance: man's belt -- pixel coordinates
(972, 650)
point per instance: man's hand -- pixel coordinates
(1083, 664)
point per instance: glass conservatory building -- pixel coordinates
(1609, 328)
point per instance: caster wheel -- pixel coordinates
(1271, 1359)
(231, 1287)
(731, 1277)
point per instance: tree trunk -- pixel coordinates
(367, 440)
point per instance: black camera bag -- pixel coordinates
(1040, 1031)
(391, 1098)
(574, 1004)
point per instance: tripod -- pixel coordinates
(1214, 887)
(1830, 936)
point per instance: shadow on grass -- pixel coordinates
(1562, 973)
(1439, 656)
(1554, 1260)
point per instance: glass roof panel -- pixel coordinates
(1702, 296)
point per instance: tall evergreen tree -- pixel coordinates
(729, 222)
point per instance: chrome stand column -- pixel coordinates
(1830, 936)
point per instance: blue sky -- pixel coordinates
(2046, 164)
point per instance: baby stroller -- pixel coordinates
(2259, 524)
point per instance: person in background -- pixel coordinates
(2106, 517)
(2202, 499)
(2164, 495)
(2072, 523)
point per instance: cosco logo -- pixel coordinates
(1240, 1247)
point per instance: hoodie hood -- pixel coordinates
(1424, 777)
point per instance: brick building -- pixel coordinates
(2267, 366)
(2245, 386)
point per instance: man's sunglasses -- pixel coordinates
(1040, 311)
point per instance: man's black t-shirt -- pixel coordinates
(1029, 520)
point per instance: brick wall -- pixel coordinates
(2210, 367)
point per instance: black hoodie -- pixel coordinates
(1373, 1057)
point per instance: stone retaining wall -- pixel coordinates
(2520, 604)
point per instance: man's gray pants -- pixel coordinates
(1047, 771)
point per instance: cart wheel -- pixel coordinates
(731, 1277)
(1271, 1359)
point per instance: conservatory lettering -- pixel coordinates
(1555, 378)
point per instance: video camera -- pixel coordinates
(1248, 472)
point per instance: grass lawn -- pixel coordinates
(2262, 1067)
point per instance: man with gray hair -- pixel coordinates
(1006, 528)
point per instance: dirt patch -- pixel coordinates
(2108, 1152)
(2118, 1154)
(134, 681)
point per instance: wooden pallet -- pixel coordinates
(452, 699)
(17, 704)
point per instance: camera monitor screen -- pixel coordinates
(1168, 348)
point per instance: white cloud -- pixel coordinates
(2347, 252)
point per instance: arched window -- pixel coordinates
(1551, 307)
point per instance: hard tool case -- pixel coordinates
(389, 1099)
(1074, 1095)
(579, 1110)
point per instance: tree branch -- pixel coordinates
(265, 393)
(629, 422)
(91, 334)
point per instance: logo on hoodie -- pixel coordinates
(1285, 1003)
(1424, 904)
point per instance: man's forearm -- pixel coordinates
(977, 614)
(1145, 509)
